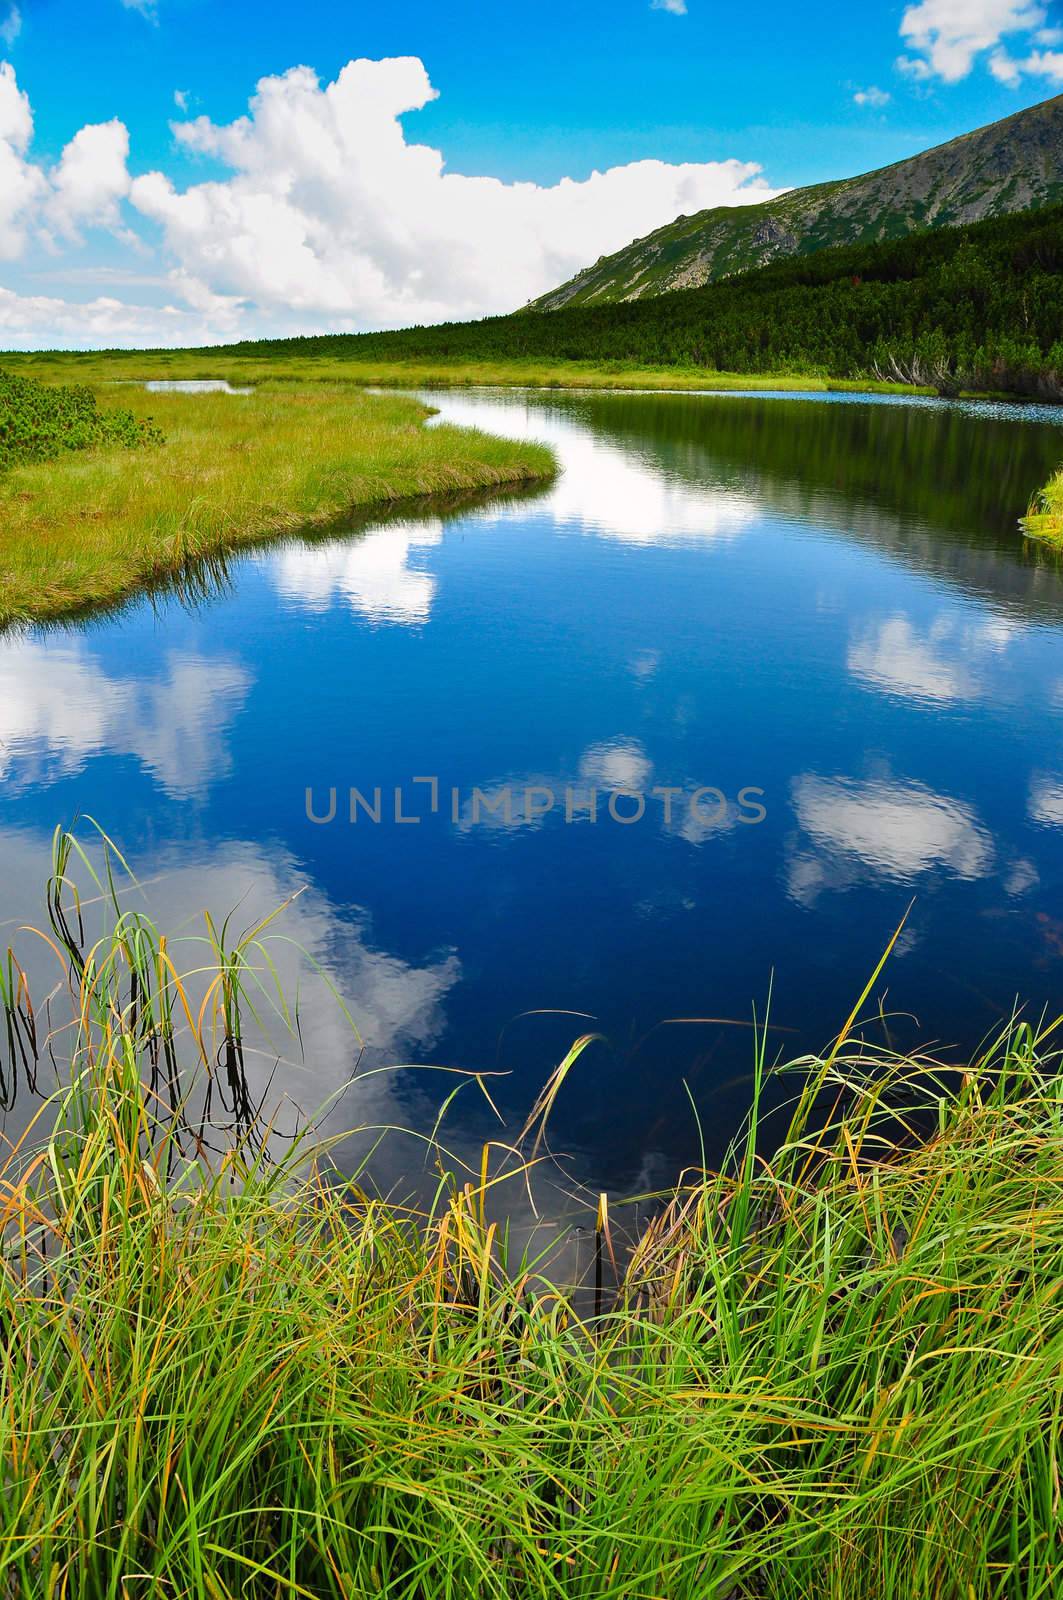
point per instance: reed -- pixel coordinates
(832, 1368)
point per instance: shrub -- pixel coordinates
(40, 421)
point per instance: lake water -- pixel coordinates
(816, 612)
(193, 386)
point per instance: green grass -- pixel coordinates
(833, 1369)
(90, 529)
(1044, 520)
(120, 367)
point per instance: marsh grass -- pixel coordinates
(834, 1370)
(120, 368)
(1044, 520)
(235, 470)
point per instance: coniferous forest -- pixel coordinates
(958, 308)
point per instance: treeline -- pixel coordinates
(40, 421)
(973, 307)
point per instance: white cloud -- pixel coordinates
(1038, 64)
(330, 218)
(332, 212)
(946, 36)
(83, 188)
(90, 179)
(678, 8)
(871, 97)
(22, 185)
(11, 27)
(36, 321)
(180, 99)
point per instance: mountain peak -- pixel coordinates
(1012, 165)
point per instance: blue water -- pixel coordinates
(820, 612)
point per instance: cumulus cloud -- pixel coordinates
(11, 27)
(333, 212)
(946, 36)
(1038, 64)
(90, 179)
(871, 96)
(22, 185)
(678, 8)
(330, 217)
(35, 321)
(83, 188)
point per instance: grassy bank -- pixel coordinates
(440, 373)
(834, 1369)
(93, 527)
(1044, 520)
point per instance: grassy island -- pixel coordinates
(833, 1368)
(92, 525)
(1044, 520)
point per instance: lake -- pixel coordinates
(698, 722)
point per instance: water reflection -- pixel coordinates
(60, 707)
(359, 1005)
(618, 492)
(1046, 801)
(883, 828)
(827, 602)
(194, 386)
(938, 485)
(939, 664)
(373, 574)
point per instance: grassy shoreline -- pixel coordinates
(833, 1369)
(92, 528)
(128, 367)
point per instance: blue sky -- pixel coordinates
(320, 211)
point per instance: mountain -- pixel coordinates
(1013, 165)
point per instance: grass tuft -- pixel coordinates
(1044, 520)
(833, 1368)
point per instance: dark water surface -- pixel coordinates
(825, 601)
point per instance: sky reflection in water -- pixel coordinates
(823, 601)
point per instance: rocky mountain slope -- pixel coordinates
(1011, 165)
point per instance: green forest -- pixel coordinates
(977, 307)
